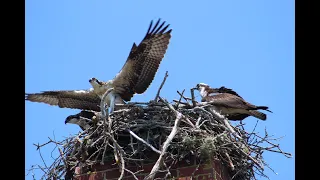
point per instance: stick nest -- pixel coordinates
(162, 133)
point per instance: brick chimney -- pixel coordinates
(213, 170)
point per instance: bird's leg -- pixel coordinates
(112, 102)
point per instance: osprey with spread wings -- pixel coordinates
(134, 78)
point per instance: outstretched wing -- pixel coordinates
(82, 99)
(143, 62)
(230, 101)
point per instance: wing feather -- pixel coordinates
(230, 101)
(81, 99)
(143, 61)
(237, 116)
(223, 89)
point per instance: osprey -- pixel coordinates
(227, 102)
(135, 76)
(85, 119)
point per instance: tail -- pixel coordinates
(264, 108)
(258, 115)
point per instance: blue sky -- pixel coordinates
(245, 45)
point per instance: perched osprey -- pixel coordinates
(85, 119)
(227, 102)
(134, 78)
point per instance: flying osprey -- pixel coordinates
(85, 119)
(135, 76)
(227, 102)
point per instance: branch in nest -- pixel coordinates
(166, 144)
(164, 80)
(143, 141)
(186, 105)
(225, 121)
(62, 156)
(177, 106)
(185, 98)
(120, 150)
(194, 102)
(230, 161)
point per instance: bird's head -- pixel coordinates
(95, 82)
(72, 119)
(201, 86)
(203, 89)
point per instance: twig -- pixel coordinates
(143, 141)
(244, 153)
(164, 80)
(62, 157)
(185, 98)
(121, 156)
(105, 150)
(43, 159)
(288, 155)
(187, 105)
(230, 161)
(166, 144)
(134, 174)
(180, 99)
(194, 102)
(225, 121)
(39, 146)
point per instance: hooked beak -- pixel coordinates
(66, 121)
(96, 80)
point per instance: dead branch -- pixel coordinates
(194, 102)
(164, 80)
(143, 141)
(226, 122)
(156, 167)
(185, 98)
(178, 103)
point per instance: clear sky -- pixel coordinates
(245, 45)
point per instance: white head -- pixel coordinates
(202, 87)
(95, 83)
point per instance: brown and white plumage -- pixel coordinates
(223, 89)
(143, 62)
(141, 66)
(229, 103)
(135, 76)
(81, 99)
(85, 119)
